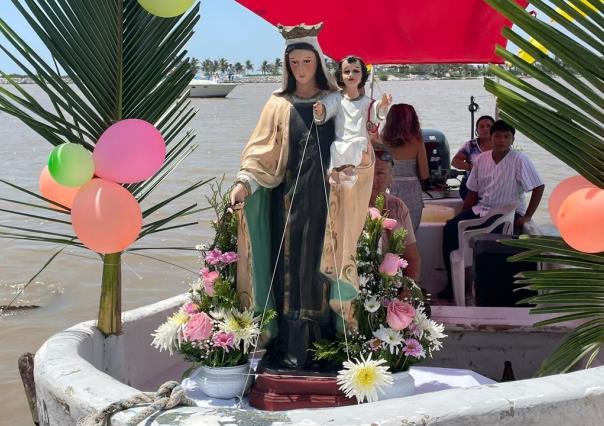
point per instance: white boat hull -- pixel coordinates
(210, 89)
(78, 372)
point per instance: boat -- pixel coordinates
(199, 88)
(80, 371)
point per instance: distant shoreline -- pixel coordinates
(277, 79)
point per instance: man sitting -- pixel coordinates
(499, 177)
(382, 178)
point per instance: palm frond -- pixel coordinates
(567, 122)
(575, 293)
(124, 63)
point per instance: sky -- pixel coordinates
(223, 25)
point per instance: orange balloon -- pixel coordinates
(106, 217)
(563, 190)
(50, 189)
(581, 220)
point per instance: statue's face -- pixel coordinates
(303, 64)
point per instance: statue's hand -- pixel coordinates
(237, 197)
(318, 110)
(386, 100)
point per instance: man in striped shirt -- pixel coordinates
(498, 177)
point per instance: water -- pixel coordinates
(68, 290)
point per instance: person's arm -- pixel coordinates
(414, 261)
(470, 201)
(536, 196)
(529, 179)
(422, 162)
(460, 161)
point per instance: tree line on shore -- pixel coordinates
(222, 66)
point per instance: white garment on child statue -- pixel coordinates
(351, 138)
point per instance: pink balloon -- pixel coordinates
(563, 190)
(50, 189)
(106, 217)
(129, 151)
(581, 220)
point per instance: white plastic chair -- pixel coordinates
(463, 256)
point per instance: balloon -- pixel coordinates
(166, 8)
(70, 164)
(129, 151)
(50, 189)
(563, 190)
(581, 220)
(106, 217)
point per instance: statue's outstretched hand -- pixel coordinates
(237, 197)
(386, 100)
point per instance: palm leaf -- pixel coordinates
(574, 293)
(568, 122)
(124, 63)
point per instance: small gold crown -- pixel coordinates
(300, 31)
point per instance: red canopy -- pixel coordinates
(396, 31)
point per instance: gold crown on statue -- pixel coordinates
(299, 31)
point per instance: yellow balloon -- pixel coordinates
(166, 8)
(577, 9)
(538, 45)
(564, 15)
(591, 6)
(525, 56)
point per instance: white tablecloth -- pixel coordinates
(427, 379)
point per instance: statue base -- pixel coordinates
(296, 389)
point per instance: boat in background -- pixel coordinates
(201, 88)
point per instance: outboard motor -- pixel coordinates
(439, 158)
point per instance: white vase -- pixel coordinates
(403, 385)
(223, 382)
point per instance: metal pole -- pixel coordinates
(473, 107)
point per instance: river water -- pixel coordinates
(68, 290)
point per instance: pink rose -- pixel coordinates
(229, 257)
(403, 263)
(390, 264)
(399, 314)
(190, 308)
(199, 327)
(208, 277)
(374, 213)
(390, 224)
(224, 340)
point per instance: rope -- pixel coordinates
(169, 395)
(270, 287)
(333, 247)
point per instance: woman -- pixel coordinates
(471, 149)
(403, 135)
(282, 233)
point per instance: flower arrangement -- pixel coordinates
(212, 328)
(394, 330)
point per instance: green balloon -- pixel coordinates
(70, 164)
(166, 9)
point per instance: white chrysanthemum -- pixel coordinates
(168, 336)
(372, 304)
(421, 322)
(392, 338)
(218, 314)
(434, 334)
(243, 325)
(364, 379)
